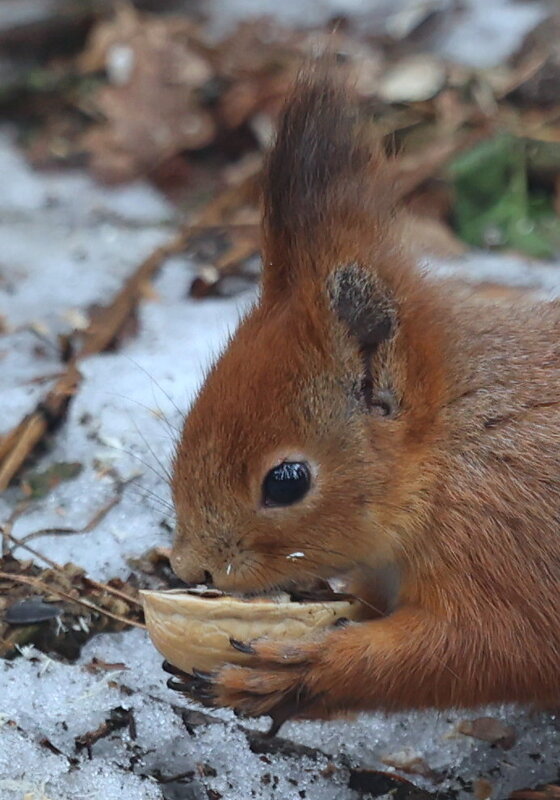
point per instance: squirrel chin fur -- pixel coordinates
(430, 424)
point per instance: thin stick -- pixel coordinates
(54, 565)
(18, 444)
(94, 521)
(111, 590)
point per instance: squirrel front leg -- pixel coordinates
(410, 659)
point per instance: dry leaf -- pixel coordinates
(482, 789)
(488, 729)
(549, 792)
(150, 107)
(98, 665)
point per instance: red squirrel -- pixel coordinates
(371, 421)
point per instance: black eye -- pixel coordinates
(286, 484)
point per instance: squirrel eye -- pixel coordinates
(286, 484)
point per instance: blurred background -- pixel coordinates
(186, 94)
(131, 144)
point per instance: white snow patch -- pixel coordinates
(70, 701)
(474, 32)
(484, 34)
(543, 279)
(65, 244)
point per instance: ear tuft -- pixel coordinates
(327, 186)
(364, 304)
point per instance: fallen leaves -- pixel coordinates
(149, 106)
(373, 783)
(154, 94)
(118, 719)
(548, 792)
(58, 609)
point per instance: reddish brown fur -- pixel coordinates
(452, 500)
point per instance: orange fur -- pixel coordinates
(446, 507)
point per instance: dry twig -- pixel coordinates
(20, 442)
(100, 514)
(54, 565)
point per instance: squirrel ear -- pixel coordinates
(361, 300)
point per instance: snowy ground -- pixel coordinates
(57, 258)
(66, 244)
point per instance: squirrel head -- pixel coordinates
(299, 457)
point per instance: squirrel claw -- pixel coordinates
(197, 689)
(201, 690)
(243, 647)
(288, 709)
(199, 686)
(178, 686)
(202, 675)
(171, 669)
(278, 718)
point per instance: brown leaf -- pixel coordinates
(542, 86)
(482, 789)
(549, 792)
(488, 729)
(150, 106)
(85, 607)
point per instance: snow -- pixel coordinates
(65, 244)
(126, 417)
(64, 702)
(477, 33)
(484, 34)
(541, 279)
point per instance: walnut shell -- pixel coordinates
(193, 631)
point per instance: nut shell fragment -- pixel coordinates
(193, 631)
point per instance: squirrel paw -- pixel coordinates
(277, 681)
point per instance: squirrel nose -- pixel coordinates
(189, 572)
